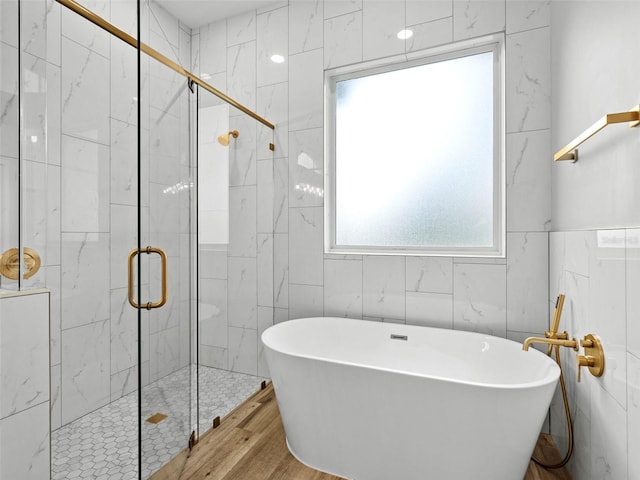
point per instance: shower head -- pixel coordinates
(225, 137)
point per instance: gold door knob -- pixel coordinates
(593, 357)
(10, 263)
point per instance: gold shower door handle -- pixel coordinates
(163, 259)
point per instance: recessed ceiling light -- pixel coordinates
(277, 58)
(404, 34)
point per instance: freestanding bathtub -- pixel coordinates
(379, 401)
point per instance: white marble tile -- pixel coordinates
(213, 262)
(430, 309)
(35, 210)
(556, 264)
(528, 14)
(340, 7)
(578, 245)
(55, 392)
(280, 315)
(124, 16)
(383, 285)
(632, 287)
(479, 298)
(265, 320)
(124, 383)
(124, 332)
(608, 436)
(265, 192)
(306, 90)
(241, 73)
(305, 25)
(214, 357)
(76, 28)
(213, 313)
(305, 301)
(633, 414)
(381, 22)
(243, 350)
(306, 167)
(9, 206)
(306, 245)
(343, 288)
(423, 11)
(86, 378)
(429, 274)
(124, 164)
(528, 80)
(473, 18)
(281, 195)
(273, 104)
(281, 270)
(164, 353)
(41, 29)
(34, 108)
(163, 31)
(343, 40)
(85, 186)
(241, 28)
(272, 39)
(24, 352)
(123, 238)
(607, 307)
(85, 279)
(242, 152)
(265, 269)
(242, 221)
(9, 101)
(9, 22)
(575, 314)
(426, 35)
(242, 293)
(53, 284)
(54, 108)
(527, 282)
(164, 214)
(85, 112)
(124, 83)
(164, 150)
(28, 458)
(528, 172)
(213, 48)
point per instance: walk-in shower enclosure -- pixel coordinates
(111, 172)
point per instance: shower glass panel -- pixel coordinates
(165, 224)
(235, 255)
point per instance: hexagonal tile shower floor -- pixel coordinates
(103, 444)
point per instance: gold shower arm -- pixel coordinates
(124, 36)
(570, 152)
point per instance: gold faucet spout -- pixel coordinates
(573, 343)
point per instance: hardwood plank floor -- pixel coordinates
(250, 444)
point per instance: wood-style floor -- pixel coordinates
(249, 444)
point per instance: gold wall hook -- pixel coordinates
(593, 357)
(10, 263)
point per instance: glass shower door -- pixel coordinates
(164, 259)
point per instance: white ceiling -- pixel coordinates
(195, 13)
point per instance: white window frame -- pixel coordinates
(493, 43)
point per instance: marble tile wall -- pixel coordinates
(595, 237)
(599, 271)
(447, 292)
(24, 397)
(79, 154)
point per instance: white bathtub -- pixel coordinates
(441, 405)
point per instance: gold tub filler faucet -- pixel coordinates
(593, 359)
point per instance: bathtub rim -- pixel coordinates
(552, 377)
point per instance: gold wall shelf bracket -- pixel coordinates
(570, 151)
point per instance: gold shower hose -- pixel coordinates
(567, 410)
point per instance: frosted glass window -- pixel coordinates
(416, 158)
